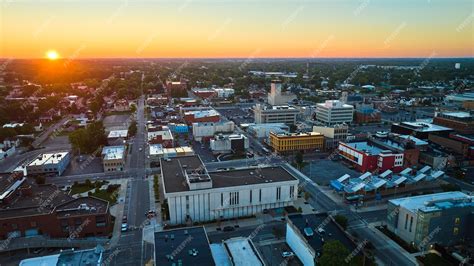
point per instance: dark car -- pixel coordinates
(228, 228)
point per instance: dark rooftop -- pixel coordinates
(81, 206)
(173, 174)
(186, 246)
(175, 180)
(43, 199)
(332, 232)
(250, 176)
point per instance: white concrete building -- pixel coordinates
(224, 92)
(334, 112)
(157, 152)
(207, 130)
(113, 158)
(275, 114)
(263, 130)
(196, 195)
(49, 163)
(277, 97)
(333, 134)
(229, 143)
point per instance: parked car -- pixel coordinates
(124, 219)
(228, 228)
(124, 227)
(287, 254)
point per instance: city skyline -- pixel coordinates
(240, 29)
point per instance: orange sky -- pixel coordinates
(247, 28)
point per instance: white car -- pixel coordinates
(287, 254)
(124, 227)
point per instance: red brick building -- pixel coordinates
(176, 89)
(367, 157)
(461, 122)
(366, 118)
(201, 116)
(28, 209)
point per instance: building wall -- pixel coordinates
(57, 168)
(405, 223)
(333, 116)
(302, 250)
(114, 165)
(452, 144)
(281, 143)
(458, 126)
(212, 204)
(50, 225)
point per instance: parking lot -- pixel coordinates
(116, 122)
(322, 171)
(85, 164)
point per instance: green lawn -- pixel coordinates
(83, 187)
(110, 194)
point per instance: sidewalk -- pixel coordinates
(117, 212)
(392, 244)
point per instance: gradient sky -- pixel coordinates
(245, 28)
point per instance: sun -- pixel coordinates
(52, 55)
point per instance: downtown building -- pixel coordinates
(292, 142)
(368, 156)
(275, 114)
(195, 195)
(49, 163)
(441, 218)
(28, 210)
(277, 97)
(204, 131)
(333, 112)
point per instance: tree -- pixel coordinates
(88, 140)
(132, 129)
(334, 254)
(133, 108)
(341, 220)
(299, 159)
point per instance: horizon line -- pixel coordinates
(236, 58)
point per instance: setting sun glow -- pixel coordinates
(52, 55)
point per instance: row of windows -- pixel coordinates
(234, 197)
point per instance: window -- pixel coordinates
(222, 199)
(292, 192)
(455, 231)
(250, 196)
(260, 196)
(406, 222)
(457, 221)
(411, 223)
(278, 193)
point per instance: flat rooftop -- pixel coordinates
(113, 152)
(118, 134)
(314, 221)
(433, 202)
(26, 206)
(84, 205)
(457, 114)
(364, 146)
(242, 252)
(175, 181)
(424, 126)
(250, 176)
(196, 251)
(49, 158)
